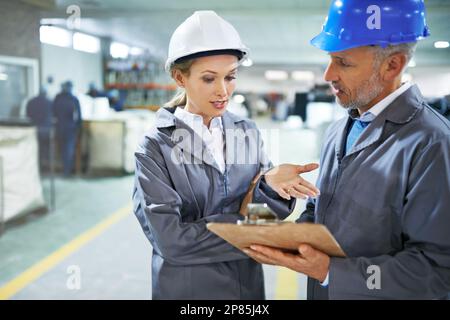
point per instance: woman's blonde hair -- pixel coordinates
(180, 97)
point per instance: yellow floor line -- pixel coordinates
(38, 269)
(286, 285)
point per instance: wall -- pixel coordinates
(69, 64)
(432, 81)
(19, 56)
(19, 30)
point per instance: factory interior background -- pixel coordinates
(57, 222)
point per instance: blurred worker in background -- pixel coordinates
(39, 110)
(68, 122)
(94, 92)
(116, 101)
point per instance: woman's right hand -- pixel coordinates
(285, 179)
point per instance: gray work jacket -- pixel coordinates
(179, 188)
(387, 202)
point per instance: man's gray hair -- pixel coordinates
(406, 48)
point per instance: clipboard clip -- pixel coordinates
(259, 214)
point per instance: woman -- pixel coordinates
(196, 166)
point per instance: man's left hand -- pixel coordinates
(309, 261)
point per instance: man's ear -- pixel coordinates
(393, 66)
(179, 77)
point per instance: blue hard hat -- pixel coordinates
(356, 23)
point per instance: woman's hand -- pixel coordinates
(285, 179)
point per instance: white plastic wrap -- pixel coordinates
(22, 189)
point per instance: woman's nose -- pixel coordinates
(221, 89)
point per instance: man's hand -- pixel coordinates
(286, 181)
(309, 261)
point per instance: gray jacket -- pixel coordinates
(179, 188)
(387, 202)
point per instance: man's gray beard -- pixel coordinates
(368, 91)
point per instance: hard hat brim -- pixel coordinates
(330, 43)
(234, 52)
(240, 53)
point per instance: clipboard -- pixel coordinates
(283, 235)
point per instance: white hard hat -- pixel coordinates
(204, 32)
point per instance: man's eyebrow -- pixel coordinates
(337, 57)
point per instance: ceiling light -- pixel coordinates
(247, 62)
(276, 75)
(119, 50)
(306, 76)
(238, 98)
(441, 44)
(135, 51)
(55, 36)
(86, 43)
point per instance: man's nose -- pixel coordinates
(330, 74)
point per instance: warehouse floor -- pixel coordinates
(92, 247)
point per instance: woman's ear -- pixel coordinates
(179, 77)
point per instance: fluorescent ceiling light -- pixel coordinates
(3, 77)
(238, 98)
(441, 44)
(86, 43)
(119, 50)
(55, 36)
(135, 51)
(247, 62)
(276, 75)
(307, 76)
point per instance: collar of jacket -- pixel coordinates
(165, 119)
(402, 110)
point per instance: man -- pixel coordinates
(385, 170)
(68, 122)
(39, 110)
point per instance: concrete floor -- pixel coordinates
(114, 263)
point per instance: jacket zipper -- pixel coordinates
(225, 182)
(336, 182)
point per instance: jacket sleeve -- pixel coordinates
(263, 193)
(157, 206)
(422, 269)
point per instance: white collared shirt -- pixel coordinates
(213, 137)
(373, 112)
